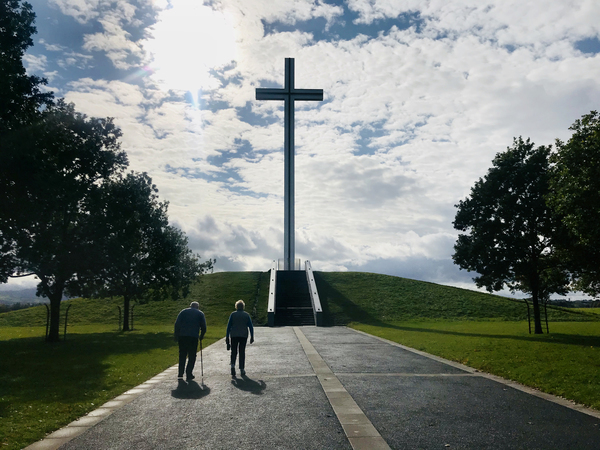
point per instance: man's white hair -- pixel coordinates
(194, 305)
(240, 305)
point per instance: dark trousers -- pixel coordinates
(238, 343)
(188, 347)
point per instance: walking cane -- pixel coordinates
(201, 363)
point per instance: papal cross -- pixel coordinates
(289, 94)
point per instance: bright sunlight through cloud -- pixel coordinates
(188, 40)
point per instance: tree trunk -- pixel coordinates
(537, 316)
(54, 333)
(126, 312)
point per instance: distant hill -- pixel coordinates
(346, 297)
(21, 296)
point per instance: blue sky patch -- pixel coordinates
(588, 45)
(344, 28)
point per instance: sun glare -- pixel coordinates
(188, 40)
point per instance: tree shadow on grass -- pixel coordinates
(552, 338)
(337, 308)
(249, 385)
(75, 370)
(340, 310)
(190, 390)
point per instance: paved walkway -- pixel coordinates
(330, 388)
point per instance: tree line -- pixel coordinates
(532, 223)
(70, 211)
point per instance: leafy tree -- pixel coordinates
(21, 96)
(510, 231)
(21, 100)
(142, 255)
(60, 163)
(575, 195)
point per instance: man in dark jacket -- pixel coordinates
(237, 327)
(188, 325)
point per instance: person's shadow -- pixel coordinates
(190, 390)
(249, 385)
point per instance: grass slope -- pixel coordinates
(372, 298)
(216, 293)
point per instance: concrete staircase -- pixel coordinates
(294, 307)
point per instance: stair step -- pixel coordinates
(293, 305)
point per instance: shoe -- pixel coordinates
(233, 372)
(243, 372)
(190, 377)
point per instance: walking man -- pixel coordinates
(188, 325)
(238, 325)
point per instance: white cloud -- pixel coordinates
(86, 10)
(117, 46)
(68, 60)
(51, 47)
(35, 64)
(534, 23)
(81, 10)
(287, 11)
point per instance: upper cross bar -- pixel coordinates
(295, 94)
(289, 94)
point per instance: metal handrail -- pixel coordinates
(314, 295)
(271, 304)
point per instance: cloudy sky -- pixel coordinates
(418, 98)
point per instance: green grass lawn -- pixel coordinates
(588, 310)
(45, 386)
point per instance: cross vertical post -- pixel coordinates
(289, 94)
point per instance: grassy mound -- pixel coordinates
(216, 293)
(373, 298)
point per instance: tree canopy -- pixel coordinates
(575, 195)
(140, 255)
(21, 95)
(21, 101)
(60, 164)
(510, 232)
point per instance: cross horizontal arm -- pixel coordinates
(294, 94)
(271, 94)
(308, 94)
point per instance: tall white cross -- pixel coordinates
(289, 94)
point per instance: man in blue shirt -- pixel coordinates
(188, 325)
